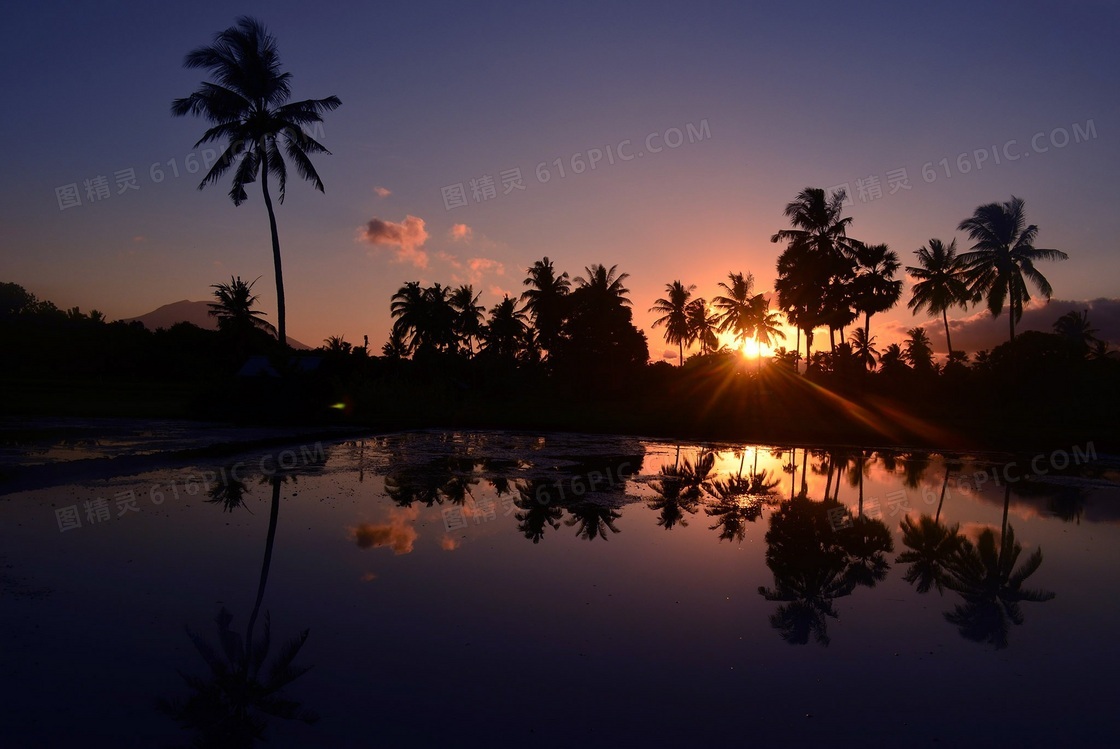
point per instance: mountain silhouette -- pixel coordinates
(195, 313)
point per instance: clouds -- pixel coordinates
(460, 233)
(407, 237)
(382, 192)
(980, 331)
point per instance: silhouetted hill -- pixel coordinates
(196, 313)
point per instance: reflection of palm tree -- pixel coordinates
(593, 519)
(228, 708)
(739, 501)
(249, 108)
(539, 508)
(228, 491)
(992, 587)
(932, 546)
(679, 489)
(818, 552)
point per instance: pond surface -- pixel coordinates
(509, 589)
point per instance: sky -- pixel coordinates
(703, 119)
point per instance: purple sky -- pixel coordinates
(438, 94)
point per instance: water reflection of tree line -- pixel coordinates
(232, 704)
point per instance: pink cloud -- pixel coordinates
(407, 237)
(460, 232)
(382, 192)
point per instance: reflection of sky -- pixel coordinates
(487, 639)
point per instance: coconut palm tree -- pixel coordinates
(918, 351)
(468, 315)
(863, 348)
(734, 306)
(544, 301)
(507, 332)
(1001, 262)
(673, 308)
(875, 289)
(764, 324)
(248, 104)
(1074, 327)
(234, 308)
(942, 282)
(424, 317)
(702, 326)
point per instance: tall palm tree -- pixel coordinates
(702, 326)
(875, 289)
(941, 282)
(544, 300)
(816, 269)
(468, 315)
(1001, 262)
(673, 308)
(735, 314)
(249, 107)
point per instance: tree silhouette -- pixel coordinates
(675, 316)
(816, 270)
(545, 301)
(942, 282)
(918, 350)
(764, 324)
(863, 348)
(467, 324)
(249, 107)
(507, 332)
(424, 317)
(875, 289)
(1074, 327)
(702, 326)
(1001, 262)
(234, 308)
(735, 313)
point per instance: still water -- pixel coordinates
(508, 589)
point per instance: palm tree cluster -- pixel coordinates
(737, 311)
(554, 320)
(828, 279)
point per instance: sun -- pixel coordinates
(747, 347)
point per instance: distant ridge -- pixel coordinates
(196, 313)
